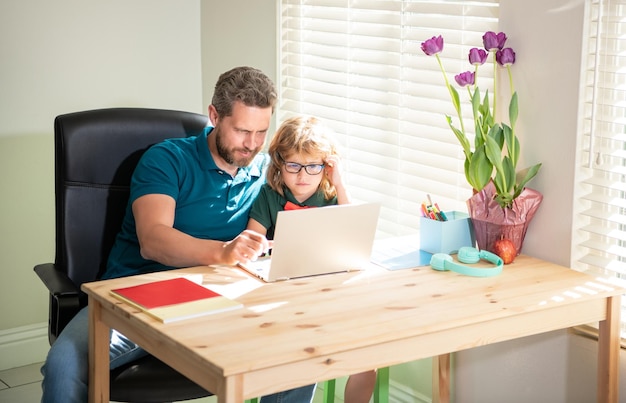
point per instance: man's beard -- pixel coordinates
(228, 155)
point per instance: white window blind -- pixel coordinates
(599, 232)
(358, 65)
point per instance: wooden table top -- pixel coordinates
(333, 320)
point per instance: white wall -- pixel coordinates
(547, 38)
(63, 56)
(238, 33)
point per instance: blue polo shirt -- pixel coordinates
(210, 203)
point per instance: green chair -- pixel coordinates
(381, 390)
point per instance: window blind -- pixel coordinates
(358, 65)
(599, 232)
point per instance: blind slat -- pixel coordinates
(600, 215)
(358, 65)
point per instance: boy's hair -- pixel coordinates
(300, 135)
(246, 84)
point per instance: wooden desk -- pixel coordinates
(303, 331)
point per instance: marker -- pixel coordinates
(443, 215)
(424, 210)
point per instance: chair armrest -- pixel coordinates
(66, 299)
(55, 280)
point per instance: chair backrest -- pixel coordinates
(95, 155)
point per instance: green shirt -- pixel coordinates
(268, 203)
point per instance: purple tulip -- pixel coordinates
(465, 78)
(493, 41)
(477, 57)
(433, 45)
(505, 57)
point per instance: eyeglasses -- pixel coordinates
(311, 169)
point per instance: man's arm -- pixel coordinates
(161, 242)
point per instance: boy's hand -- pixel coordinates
(333, 170)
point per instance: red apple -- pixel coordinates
(505, 249)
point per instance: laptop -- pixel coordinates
(322, 240)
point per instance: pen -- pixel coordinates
(443, 215)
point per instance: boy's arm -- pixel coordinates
(343, 197)
(334, 172)
(256, 226)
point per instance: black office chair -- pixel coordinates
(95, 155)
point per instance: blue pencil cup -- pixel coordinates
(446, 236)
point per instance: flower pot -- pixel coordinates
(492, 222)
(487, 233)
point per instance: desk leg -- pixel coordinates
(441, 378)
(99, 340)
(232, 391)
(608, 353)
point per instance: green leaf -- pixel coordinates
(496, 133)
(455, 99)
(479, 114)
(505, 199)
(488, 119)
(478, 138)
(509, 173)
(479, 169)
(460, 136)
(498, 181)
(513, 109)
(476, 104)
(494, 154)
(512, 144)
(486, 102)
(524, 176)
(469, 173)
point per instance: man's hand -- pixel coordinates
(245, 247)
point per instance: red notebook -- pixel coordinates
(175, 299)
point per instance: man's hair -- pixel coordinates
(246, 84)
(300, 135)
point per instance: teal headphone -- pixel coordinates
(467, 254)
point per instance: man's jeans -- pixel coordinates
(66, 370)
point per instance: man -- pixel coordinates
(188, 206)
